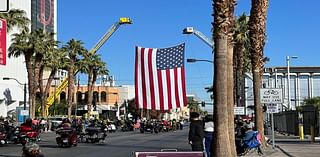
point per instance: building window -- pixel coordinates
(103, 96)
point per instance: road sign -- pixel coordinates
(24, 112)
(272, 108)
(4, 5)
(239, 111)
(271, 96)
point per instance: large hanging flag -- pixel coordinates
(160, 78)
(3, 41)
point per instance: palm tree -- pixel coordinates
(221, 26)
(53, 60)
(257, 35)
(92, 65)
(74, 48)
(15, 17)
(22, 44)
(43, 43)
(241, 58)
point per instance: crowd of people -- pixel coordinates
(201, 132)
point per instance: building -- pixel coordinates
(304, 83)
(43, 14)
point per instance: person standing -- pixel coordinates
(208, 134)
(196, 132)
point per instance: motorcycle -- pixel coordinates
(3, 138)
(147, 127)
(95, 134)
(67, 137)
(29, 137)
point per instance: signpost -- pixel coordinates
(271, 97)
(239, 111)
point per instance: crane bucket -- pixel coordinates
(125, 20)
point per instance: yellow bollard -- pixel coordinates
(301, 134)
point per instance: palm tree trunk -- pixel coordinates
(70, 89)
(89, 103)
(230, 99)
(257, 29)
(30, 84)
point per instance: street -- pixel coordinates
(119, 144)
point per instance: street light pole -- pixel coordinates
(25, 100)
(288, 81)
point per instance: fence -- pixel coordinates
(288, 121)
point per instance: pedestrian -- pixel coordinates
(208, 134)
(196, 132)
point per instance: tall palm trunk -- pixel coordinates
(30, 84)
(70, 87)
(230, 79)
(222, 145)
(239, 72)
(230, 99)
(89, 103)
(257, 29)
(46, 92)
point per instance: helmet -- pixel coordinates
(29, 120)
(66, 120)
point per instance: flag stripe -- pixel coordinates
(184, 93)
(176, 84)
(143, 79)
(136, 78)
(150, 70)
(169, 88)
(160, 90)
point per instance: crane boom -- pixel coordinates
(191, 30)
(105, 37)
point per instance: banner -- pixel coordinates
(3, 41)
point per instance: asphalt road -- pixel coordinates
(119, 144)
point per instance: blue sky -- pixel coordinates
(292, 29)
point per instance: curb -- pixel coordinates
(283, 151)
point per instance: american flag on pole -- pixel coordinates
(160, 78)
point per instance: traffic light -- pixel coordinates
(203, 104)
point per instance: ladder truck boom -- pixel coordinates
(191, 30)
(105, 37)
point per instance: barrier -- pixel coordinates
(169, 154)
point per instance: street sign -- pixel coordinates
(24, 112)
(271, 96)
(272, 108)
(239, 111)
(4, 5)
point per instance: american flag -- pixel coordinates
(160, 78)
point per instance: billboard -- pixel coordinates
(3, 42)
(42, 15)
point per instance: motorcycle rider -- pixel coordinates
(65, 124)
(27, 126)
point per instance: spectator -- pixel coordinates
(208, 134)
(196, 132)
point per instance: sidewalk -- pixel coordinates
(290, 146)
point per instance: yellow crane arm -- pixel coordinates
(105, 37)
